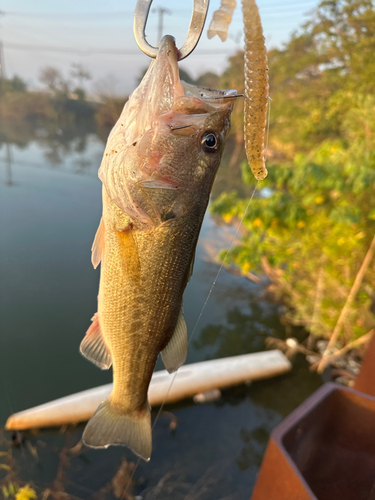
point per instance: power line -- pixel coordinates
(2, 62)
(82, 16)
(102, 16)
(87, 16)
(91, 51)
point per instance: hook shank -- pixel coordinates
(196, 26)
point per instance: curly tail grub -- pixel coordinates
(256, 89)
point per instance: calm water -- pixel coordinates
(50, 207)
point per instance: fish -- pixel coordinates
(157, 172)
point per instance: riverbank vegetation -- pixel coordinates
(312, 224)
(62, 105)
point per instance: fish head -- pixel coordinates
(163, 153)
(199, 123)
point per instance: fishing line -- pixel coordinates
(221, 266)
(80, 486)
(268, 124)
(216, 278)
(132, 475)
(196, 324)
(208, 297)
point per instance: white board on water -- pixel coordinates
(188, 381)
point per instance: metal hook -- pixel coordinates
(197, 21)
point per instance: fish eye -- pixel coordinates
(210, 141)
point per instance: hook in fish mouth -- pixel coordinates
(234, 96)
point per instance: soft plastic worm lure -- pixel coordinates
(256, 89)
(221, 20)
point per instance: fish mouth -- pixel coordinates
(208, 95)
(176, 92)
(161, 92)
(162, 83)
(156, 93)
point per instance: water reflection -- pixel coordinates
(255, 445)
(51, 144)
(289, 391)
(241, 333)
(8, 165)
(59, 142)
(53, 155)
(56, 150)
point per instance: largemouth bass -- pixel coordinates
(157, 172)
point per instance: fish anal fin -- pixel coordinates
(97, 248)
(93, 346)
(174, 354)
(129, 255)
(110, 426)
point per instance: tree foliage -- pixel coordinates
(54, 80)
(315, 216)
(80, 73)
(15, 84)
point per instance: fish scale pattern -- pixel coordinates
(138, 321)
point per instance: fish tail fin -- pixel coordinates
(109, 426)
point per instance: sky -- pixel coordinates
(99, 35)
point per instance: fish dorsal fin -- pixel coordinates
(97, 248)
(174, 354)
(93, 346)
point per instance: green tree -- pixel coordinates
(54, 80)
(81, 74)
(311, 228)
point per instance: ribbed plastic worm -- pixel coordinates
(221, 20)
(256, 89)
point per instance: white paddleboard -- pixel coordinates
(189, 380)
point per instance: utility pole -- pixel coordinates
(161, 11)
(2, 62)
(8, 150)
(8, 164)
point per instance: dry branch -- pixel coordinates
(317, 306)
(352, 345)
(345, 310)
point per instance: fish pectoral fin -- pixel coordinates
(174, 354)
(93, 346)
(97, 248)
(109, 425)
